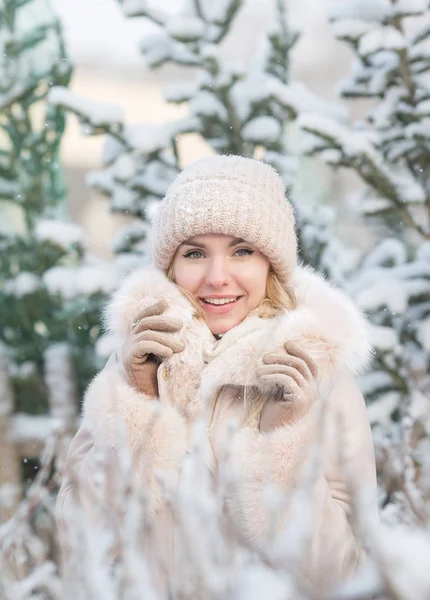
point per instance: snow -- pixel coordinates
(423, 108)
(383, 338)
(386, 291)
(285, 164)
(156, 48)
(233, 70)
(420, 51)
(146, 138)
(135, 8)
(366, 10)
(185, 29)
(180, 92)
(30, 427)
(106, 345)
(125, 167)
(351, 29)
(381, 409)
(331, 156)
(418, 406)
(112, 148)
(60, 381)
(264, 130)
(9, 494)
(423, 334)
(261, 582)
(390, 251)
(59, 233)
(123, 198)
(97, 114)
(423, 253)
(205, 104)
(210, 53)
(302, 100)
(71, 282)
(382, 113)
(403, 8)
(8, 189)
(131, 7)
(407, 550)
(23, 284)
(154, 178)
(419, 130)
(101, 180)
(358, 146)
(384, 38)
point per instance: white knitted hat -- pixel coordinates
(232, 195)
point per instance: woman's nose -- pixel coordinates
(217, 274)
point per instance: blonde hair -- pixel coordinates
(276, 300)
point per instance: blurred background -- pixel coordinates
(104, 47)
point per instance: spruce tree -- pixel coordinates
(390, 151)
(50, 293)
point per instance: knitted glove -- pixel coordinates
(150, 341)
(293, 374)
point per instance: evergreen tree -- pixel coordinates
(50, 293)
(390, 152)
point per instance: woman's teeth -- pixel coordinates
(219, 300)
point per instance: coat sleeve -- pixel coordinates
(278, 453)
(120, 422)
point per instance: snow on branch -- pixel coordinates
(222, 14)
(381, 39)
(409, 8)
(142, 8)
(351, 29)
(300, 100)
(185, 29)
(146, 138)
(358, 147)
(98, 115)
(376, 11)
(59, 233)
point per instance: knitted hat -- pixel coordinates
(232, 195)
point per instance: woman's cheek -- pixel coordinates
(189, 276)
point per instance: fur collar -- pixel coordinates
(325, 324)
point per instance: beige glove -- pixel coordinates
(291, 371)
(150, 341)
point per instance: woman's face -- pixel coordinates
(227, 277)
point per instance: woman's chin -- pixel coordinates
(221, 325)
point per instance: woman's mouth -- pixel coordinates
(219, 305)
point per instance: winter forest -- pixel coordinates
(53, 288)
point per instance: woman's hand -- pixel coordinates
(150, 341)
(294, 373)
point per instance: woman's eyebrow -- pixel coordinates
(236, 241)
(233, 242)
(197, 244)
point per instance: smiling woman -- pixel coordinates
(226, 331)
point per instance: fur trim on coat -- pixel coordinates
(325, 324)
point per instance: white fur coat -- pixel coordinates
(325, 324)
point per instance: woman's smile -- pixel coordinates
(219, 305)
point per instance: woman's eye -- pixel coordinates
(193, 254)
(244, 252)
